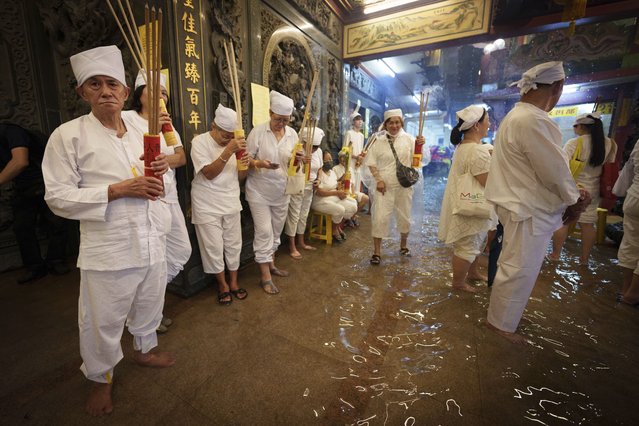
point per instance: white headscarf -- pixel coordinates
(588, 118)
(393, 113)
(280, 104)
(225, 118)
(140, 80)
(546, 73)
(471, 115)
(103, 60)
(318, 135)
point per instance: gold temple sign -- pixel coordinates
(441, 21)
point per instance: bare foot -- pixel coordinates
(625, 301)
(477, 277)
(307, 247)
(296, 255)
(99, 401)
(154, 359)
(465, 287)
(279, 272)
(515, 338)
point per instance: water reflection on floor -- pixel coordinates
(415, 352)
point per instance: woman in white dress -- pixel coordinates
(466, 234)
(215, 201)
(596, 149)
(328, 199)
(390, 197)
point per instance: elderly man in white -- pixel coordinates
(87, 169)
(531, 186)
(215, 199)
(270, 146)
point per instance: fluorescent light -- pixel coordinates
(387, 68)
(385, 5)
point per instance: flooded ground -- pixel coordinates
(346, 342)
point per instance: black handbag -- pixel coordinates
(407, 176)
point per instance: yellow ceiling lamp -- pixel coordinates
(573, 10)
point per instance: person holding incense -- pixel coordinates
(466, 234)
(270, 146)
(390, 197)
(328, 199)
(340, 172)
(178, 245)
(87, 170)
(215, 201)
(354, 140)
(300, 205)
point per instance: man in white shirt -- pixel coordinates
(88, 172)
(531, 186)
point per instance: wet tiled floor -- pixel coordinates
(344, 343)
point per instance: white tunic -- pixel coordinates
(264, 185)
(529, 174)
(132, 118)
(590, 176)
(213, 197)
(356, 139)
(81, 160)
(316, 163)
(381, 156)
(468, 157)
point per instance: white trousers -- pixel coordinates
(629, 249)
(338, 209)
(519, 263)
(268, 222)
(469, 247)
(178, 245)
(298, 208)
(398, 200)
(218, 240)
(108, 301)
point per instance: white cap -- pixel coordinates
(355, 112)
(140, 80)
(103, 60)
(393, 113)
(225, 118)
(588, 118)
(471, 115)
(317, 136)
(546, 73)
(280, 104)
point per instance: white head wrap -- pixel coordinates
(355, 112)
(280, 104)
(318, 135)
(393, 113)
(587, 118)
(225, 118)
(546, 73)
(140, 80)
(471, 115)
(103, 60)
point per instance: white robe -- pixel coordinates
(216, 207)
(122, 242)
(300, 205)
(531, 185)
(396, 199)
(178, 245)
(629, 248)
(357, 140)
(265, 188)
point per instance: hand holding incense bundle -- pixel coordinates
(237, 100)
(132, 39)
(423, 107)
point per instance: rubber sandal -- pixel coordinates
(240, 292)
(376, 259)
(274, 290)
(279, 272)
(404, 251)
(224, 296)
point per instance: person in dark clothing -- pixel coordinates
(21, 153)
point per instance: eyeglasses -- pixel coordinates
(281, 120)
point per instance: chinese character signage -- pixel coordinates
(191, 67)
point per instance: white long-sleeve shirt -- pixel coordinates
(132, 118)
(81, 160)
(264, 185)
(529, 174)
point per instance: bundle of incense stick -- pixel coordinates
(310, 123)
(423, 107)
(150, 60)
(237, 100)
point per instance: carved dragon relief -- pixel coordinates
(318, 12)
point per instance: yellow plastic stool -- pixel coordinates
(321, 227)
(602, 219)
